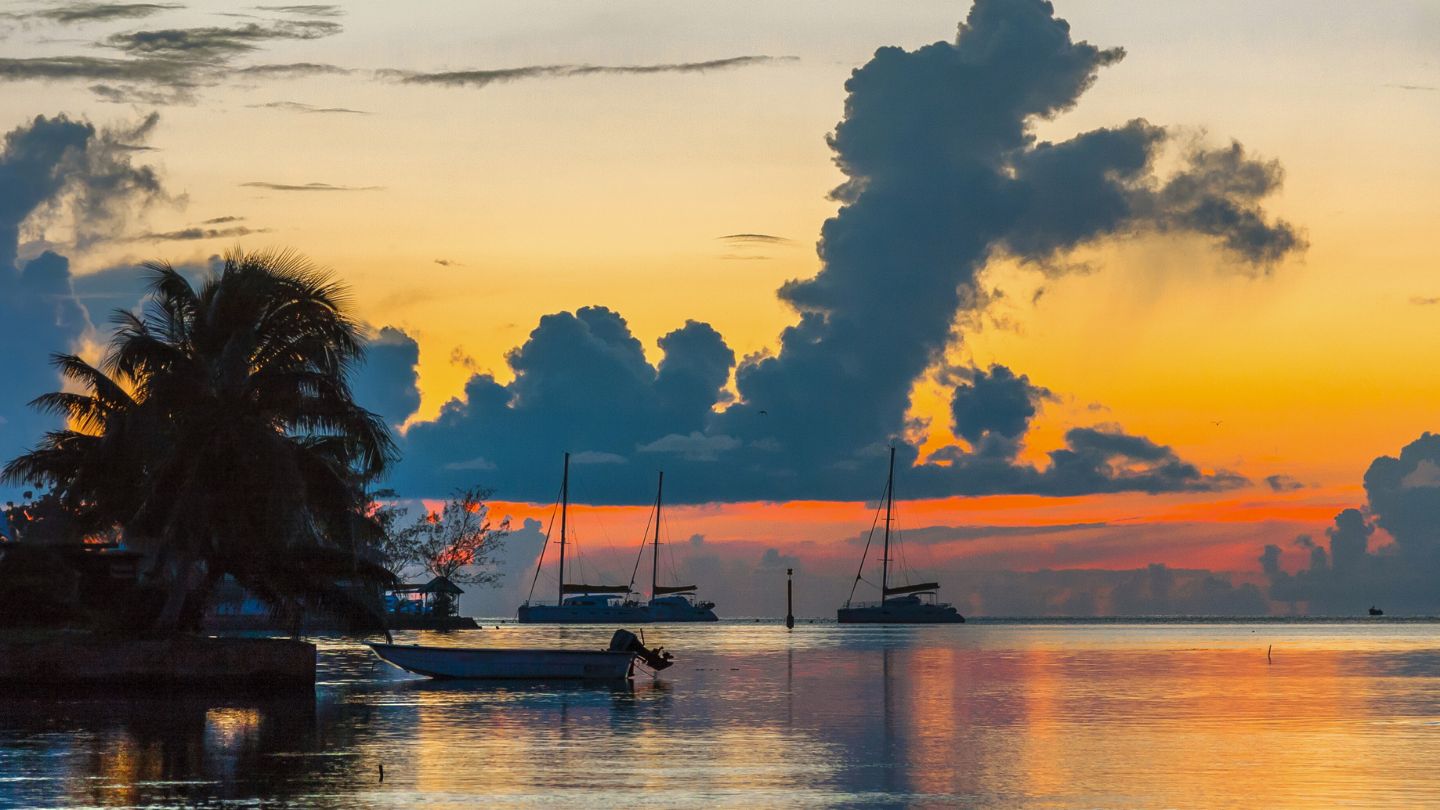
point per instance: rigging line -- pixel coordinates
(644, 539)
(598, 517)
(897, 539)
(670, 549)
(866, 553)
(579, 562)
(555, 507)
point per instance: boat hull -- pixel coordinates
(680, 609)
(670, 613)
(909, 614)
(583, 614)
(454, 663)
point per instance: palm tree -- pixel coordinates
(220, 433)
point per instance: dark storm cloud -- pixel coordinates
(1403, 500)
(582, 383)
(992, 409)
(484, 78)
(943, 172)
(68, 172)
(1217, 194)
(55, 169)
(388, 382)
(1101, 183)
(296, 106)
(307, 187)
(123, 287)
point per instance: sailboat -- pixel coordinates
(579, 603)
(673, 603)
(903, 604)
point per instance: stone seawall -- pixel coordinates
(184, 661)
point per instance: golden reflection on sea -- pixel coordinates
(1001, 715)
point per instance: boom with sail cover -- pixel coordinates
(661, 590)
(924, 587)
(575, 587)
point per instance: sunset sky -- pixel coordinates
(471, 167)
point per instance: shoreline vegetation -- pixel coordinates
(217, 449)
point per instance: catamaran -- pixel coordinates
(902, 604)
(580, 603)
(672, 603)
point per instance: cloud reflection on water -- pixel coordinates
(988, 715)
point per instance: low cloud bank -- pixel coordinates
(1351, 570)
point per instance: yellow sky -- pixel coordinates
(557, 193)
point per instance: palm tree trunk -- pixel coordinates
(187, 576)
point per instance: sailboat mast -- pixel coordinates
(564, 509)
(655, 559)
(889, 503)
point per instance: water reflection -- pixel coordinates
(996, 715)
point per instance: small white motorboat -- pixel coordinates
(615, 663)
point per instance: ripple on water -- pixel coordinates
(1065, 715)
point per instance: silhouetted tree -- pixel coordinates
(458, 543)
(221, 434)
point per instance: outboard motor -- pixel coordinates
(626, 641)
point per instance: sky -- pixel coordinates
(1152, 286)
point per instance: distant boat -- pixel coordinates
(580, 603)
(1374, 611)
(615, 663)
(672, 603)
(903, 604)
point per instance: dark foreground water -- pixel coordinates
(989, 715)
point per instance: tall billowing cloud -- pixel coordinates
(943, 174)
(70, 173)
(1403, 501)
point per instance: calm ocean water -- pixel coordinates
(985, 715)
